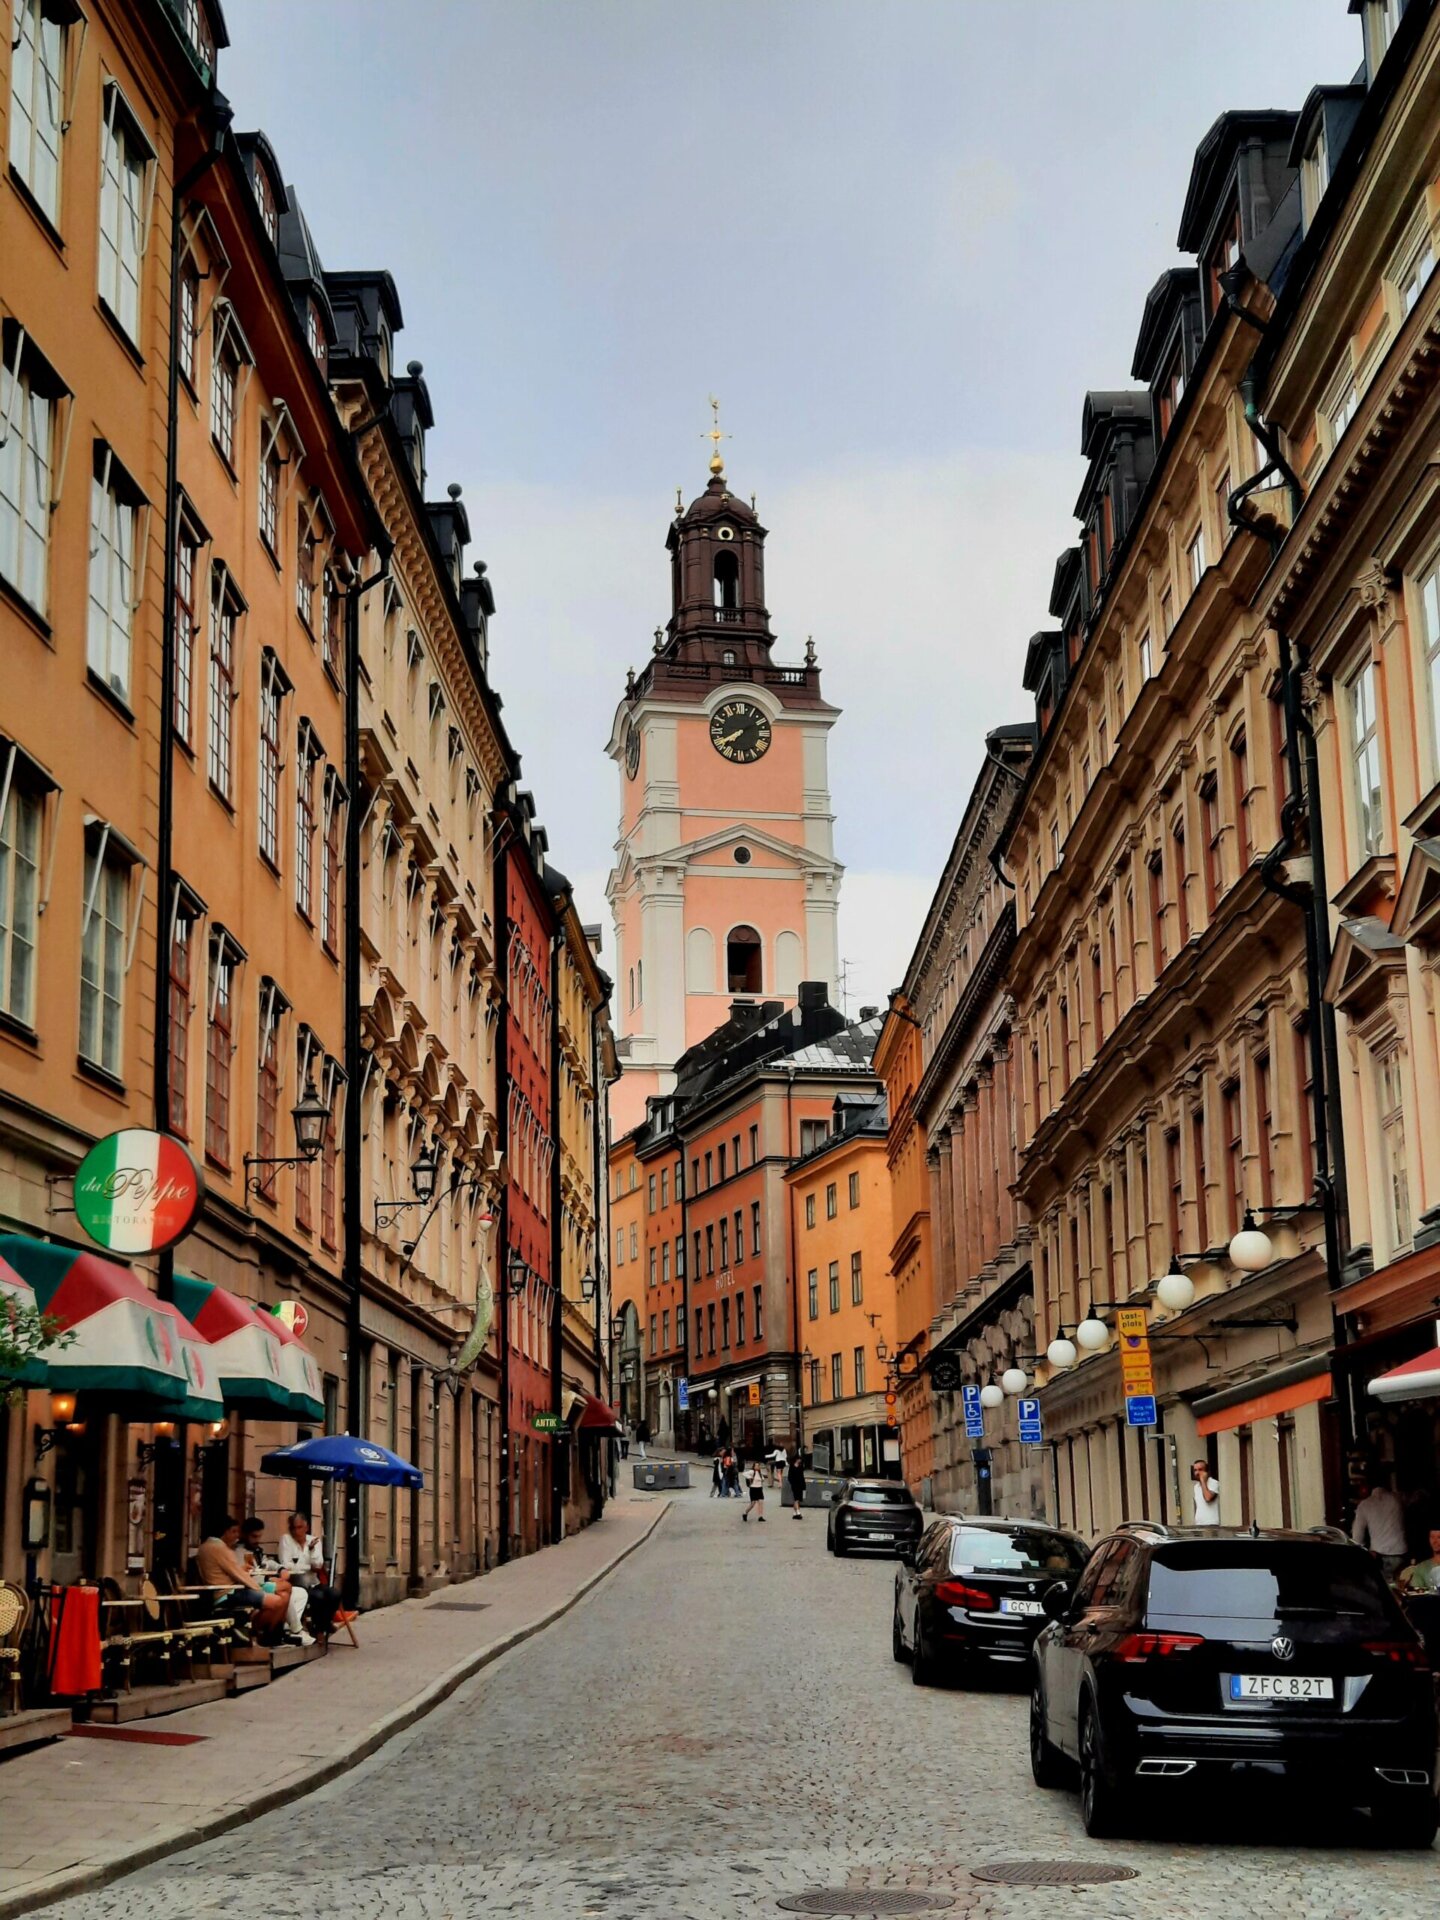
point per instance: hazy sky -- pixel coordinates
(899, 238)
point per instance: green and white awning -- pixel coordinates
(125, 1344)
(263, 1370)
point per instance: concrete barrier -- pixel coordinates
(656, 1476)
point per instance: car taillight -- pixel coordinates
(1149, 1646)
(957, 1593)
(1400, 1653)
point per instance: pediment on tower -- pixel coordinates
(718, 850)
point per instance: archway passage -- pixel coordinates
(743, 973)
(727, 580)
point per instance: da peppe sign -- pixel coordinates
(137, 1191)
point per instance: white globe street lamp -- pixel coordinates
(1252, 1249)
(1014, 1380)
(992, 1396)
(1061, 1353)
(1175, 1290)
(1092, 1333)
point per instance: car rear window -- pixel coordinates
(882, 1497)
(1292, 1580)
(1023, 1550)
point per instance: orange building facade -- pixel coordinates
(841, 1202)
(900, 1063)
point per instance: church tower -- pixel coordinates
(725, 885)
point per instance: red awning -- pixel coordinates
(1417, 1379)
(596, 1417)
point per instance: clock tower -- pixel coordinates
(725, 885)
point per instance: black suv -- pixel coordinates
(872, 1513)
(1205, 1653)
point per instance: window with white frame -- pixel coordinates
(187, 623)
(38, 110)
(270, 500)
(265, 201)
(30, 398)
(307, 559)
(315, 333)
(22, 812)
(1390, 1102)
(105, 947)
(273, 688)
(1412, 265)
(1315, 169)
(332, 827)
(1382, 18)
(220, 732)
(1360, 695)
(1195, 557)
(225, 959)
(1427, 596)
(117, 522)
(127, 181)
(1143, 654)
(307, 764)
(230, 361)
(198, 31)
(1337, 409)
(189, 318)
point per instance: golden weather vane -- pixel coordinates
(715, 436)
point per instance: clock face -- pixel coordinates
(740, 732)
(632, 751)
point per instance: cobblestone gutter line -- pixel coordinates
(87, 1879)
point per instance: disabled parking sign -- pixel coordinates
(974, 1416)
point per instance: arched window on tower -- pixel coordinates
(727, 581)
(742, 961)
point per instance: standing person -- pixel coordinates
(797, 1484)
(1207, 1494)
(1379, 1524)
(642, 1436)
(732, 1476)
(777, 1466)
(755, 1481)
(717, 1478)
(624, 1439)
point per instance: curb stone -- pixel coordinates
(89, 1879)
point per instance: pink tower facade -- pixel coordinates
(725, 885)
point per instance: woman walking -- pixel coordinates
(755, 1481)
(797, 1485)
(717, 1479)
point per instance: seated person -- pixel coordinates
(1424, 1576)
(302, 1556)
(221, 1565)
(275, 1580)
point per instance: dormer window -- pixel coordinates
(1410, 267)
(315, 334)
(1223, 255)
(265, 201)
(197, 30)
(382, 354)
(1315, 171)
(1171, 387)
(1382, 19)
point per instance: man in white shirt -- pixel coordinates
(302, 1556)
(1379, 1524)
(1207, 1494)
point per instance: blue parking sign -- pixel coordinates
(974, 1416)
(1029, 1413)
(682, 1395)
(1140, 1410)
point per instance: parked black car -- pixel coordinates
(872, 1513)
(972, 1592)
(1208, 1655)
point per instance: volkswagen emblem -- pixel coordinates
(1282, 1647)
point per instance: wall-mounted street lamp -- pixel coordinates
(424, 1169)
(617, 1328)
(517, 1272)
(311, 1117)
(589, 1287)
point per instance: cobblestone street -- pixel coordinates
(717, 1727)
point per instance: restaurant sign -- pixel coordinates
(137, 1191)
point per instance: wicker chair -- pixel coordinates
(14, 1612)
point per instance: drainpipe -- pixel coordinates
(165, 807)
(352, 1141)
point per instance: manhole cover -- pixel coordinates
(459, 1606)
(867, 1900)
(1051, 1873)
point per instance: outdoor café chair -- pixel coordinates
(14, 1612)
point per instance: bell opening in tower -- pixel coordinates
(742, 961)
(727, 582)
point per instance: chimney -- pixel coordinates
(812, 995)
(869, 1013)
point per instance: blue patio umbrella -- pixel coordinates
(340, 1456)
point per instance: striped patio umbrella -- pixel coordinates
(126, 1344)
(247, 1348)
(16, 1294)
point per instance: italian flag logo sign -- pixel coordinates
(137, 1191)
